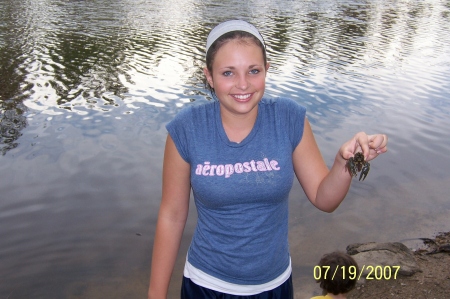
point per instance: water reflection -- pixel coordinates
(86, 88)
(12, 121)
(79, 54)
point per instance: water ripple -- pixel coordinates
(86, 88)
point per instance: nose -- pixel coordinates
(242, 82)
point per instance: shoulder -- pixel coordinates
(194, 110)
(288, 114)
(191, 123)
(195, 113)
(283, 108)
(282, 103)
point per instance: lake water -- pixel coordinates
(86, 88)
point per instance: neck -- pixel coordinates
(236, 126)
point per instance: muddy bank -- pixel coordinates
(431, 280)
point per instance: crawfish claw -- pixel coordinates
(352, 166)
(364, 171)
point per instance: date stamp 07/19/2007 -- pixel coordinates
(351, 272)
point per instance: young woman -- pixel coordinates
(239, 154)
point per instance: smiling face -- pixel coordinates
(238, 74)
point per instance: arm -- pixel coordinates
(172, 218)
(325, 188)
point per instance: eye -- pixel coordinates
(254, 71)
(227, 73)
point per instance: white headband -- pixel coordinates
(228, 26)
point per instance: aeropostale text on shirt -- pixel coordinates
(208, 169)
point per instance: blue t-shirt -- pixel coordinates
(240, 189)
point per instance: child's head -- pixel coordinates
(345, 276)
(234, 30)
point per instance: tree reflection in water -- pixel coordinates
(12, 121)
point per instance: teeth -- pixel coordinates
(242, 97)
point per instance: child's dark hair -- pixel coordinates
(241, 36)
(339, 281)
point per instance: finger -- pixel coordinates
(372, 154)
(362, 140)
(375, 141)
(378, 142)
(384, 143)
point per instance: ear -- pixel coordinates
(267, 67)
(208, 76)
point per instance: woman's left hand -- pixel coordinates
(370, 145)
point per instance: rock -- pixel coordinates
(386, 255)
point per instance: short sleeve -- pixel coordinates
(293, 115)
(179, 129)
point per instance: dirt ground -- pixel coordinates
(432, 283)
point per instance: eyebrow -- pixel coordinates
(250, 66)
